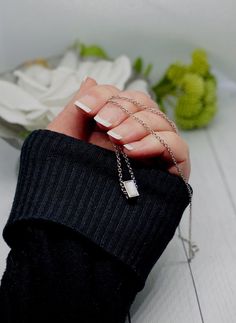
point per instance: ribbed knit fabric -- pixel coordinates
(75, 183)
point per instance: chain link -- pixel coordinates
(120, 170)
(118, 150)
(192, 248)
(151, 109)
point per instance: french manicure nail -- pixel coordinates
(128, 146)
(82, 106)
(84, 78)
(102, 121)
(114, 134)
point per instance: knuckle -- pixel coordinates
(111, 88)
(155, 121)
(103, 92)
(111, 91)
(145, 116)
(140, 97)
(179, 141)
(136, 95)
(185, 148)
(144, 96)
(186, 145)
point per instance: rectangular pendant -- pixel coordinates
(131, 188)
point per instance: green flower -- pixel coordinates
(188, 106)
(193, 89)
(193, 84)
(210, 91)
(176, 72)
(201, 120)
(207, 115)
(200, 63)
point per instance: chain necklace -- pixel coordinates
(130, 187)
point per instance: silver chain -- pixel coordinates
(119, 150)
(192, 248)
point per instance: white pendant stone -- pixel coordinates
(131, 188)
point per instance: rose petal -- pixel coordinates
(115, 72)
(70, 60)
(14, 98)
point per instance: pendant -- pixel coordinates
(131, 188)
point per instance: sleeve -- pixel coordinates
(54, 275)
(80, 251)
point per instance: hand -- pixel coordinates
(79, 122)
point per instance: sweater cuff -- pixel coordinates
(74, 183)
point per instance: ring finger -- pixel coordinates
(113, 113)
(131, 129)
(149, 147)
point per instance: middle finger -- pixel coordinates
(112, 115)
(131, 130)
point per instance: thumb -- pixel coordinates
(71, 121)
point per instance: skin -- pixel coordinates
(75, 122)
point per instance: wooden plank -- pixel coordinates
(222, 138)
(168, 295)
(214, 230)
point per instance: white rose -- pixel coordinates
(41, 93)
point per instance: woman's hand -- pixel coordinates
(99, 123)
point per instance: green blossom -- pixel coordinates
(175, 73)
(200, 63)
(210, 91)
(194, 90)
(188, 106)
(193, 84)
(201, 120)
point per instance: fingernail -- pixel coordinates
(88, 78)
(114, 134)
(81, 84)
(102, 121)
(110, 113)
(86, 103)
(85, 78)
(128, 146)
(135, 145)
(82, 106)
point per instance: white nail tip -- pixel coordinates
(114, 134)
(82, 106)
(84, 78)
(102, 121)
(128, 146)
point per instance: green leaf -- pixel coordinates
(162, 88)
(24, 133)
(93, 50)
(148, 70)
(138, 65)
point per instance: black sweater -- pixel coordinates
(80, 251)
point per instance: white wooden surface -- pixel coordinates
(175, 292)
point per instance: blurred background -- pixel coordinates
(161, 31)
